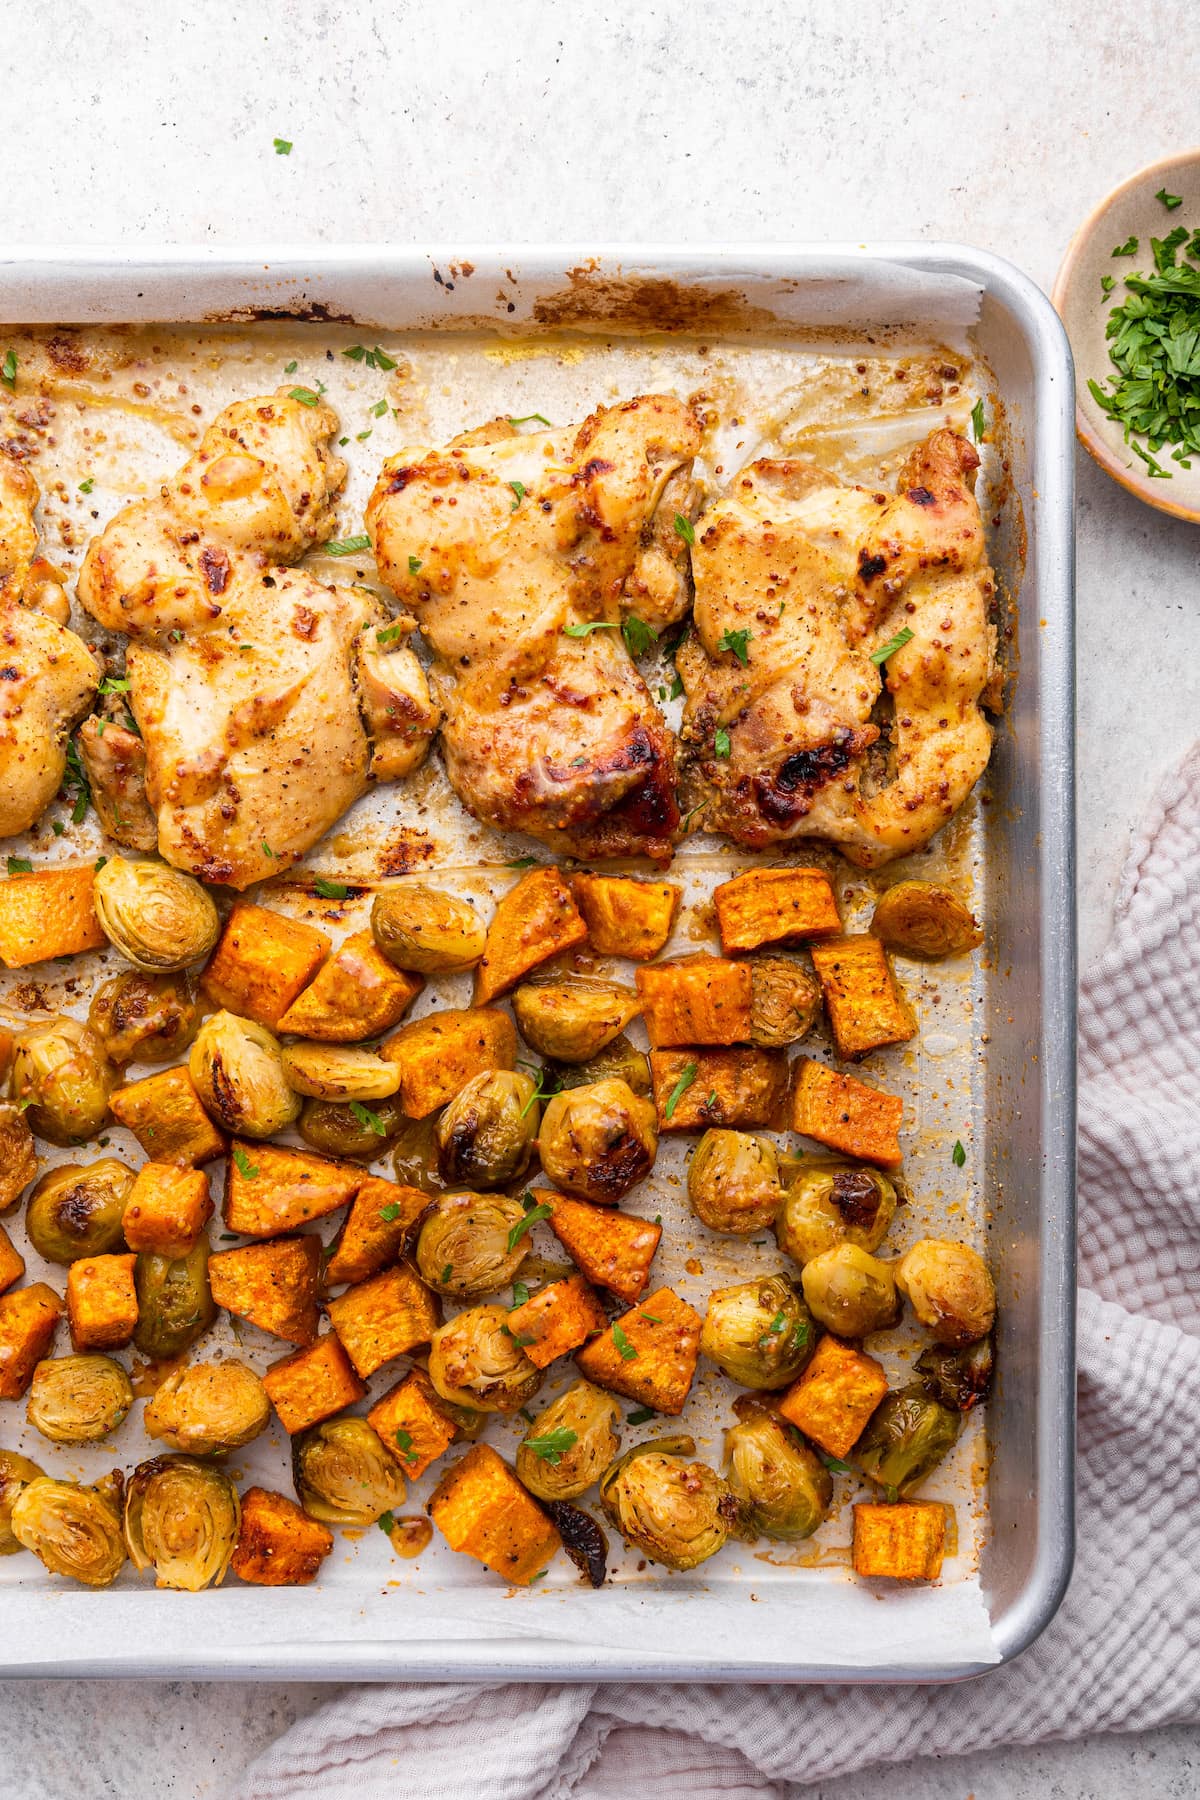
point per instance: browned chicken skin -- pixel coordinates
(817, 575)
(507, 547)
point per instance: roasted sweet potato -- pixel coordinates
(438, 1055)
(557, 1319)
(278, 1545)
(48, 913)
(102, 1306)
(611, 1248)
(847, 1115)
(165, 1116)
(357, 994)
(866, 1009)
(384, 1317)
(697, 1000)
(12, 1263)
(380, 1218)
(410, 1420)
(167, 1209)
(273, 1286)
(694, 1089)
(625, 917)
(28, 1320)
(775, 906)
(262, 963)
(312, 1384)
(481, 1509)
(835, 1396)
(905, 1542)
(268, 1189)
(536, 919)
(649, 1354)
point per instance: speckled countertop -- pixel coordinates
(679, 120)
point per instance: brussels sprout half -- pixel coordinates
(906, 1437)
(676, 1512)
(181, 1520)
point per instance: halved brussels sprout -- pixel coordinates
(337, 1130)
(181, 1519)
(570, 1443)
(16, 1472)
(475, 1361)
(78, 1399)
(950, 1289)
(598, 1141)
(906, 1438)
(415, 1155)
(175, 1303)
(676, 1512)
(760, 1333)
(344, 1475)
(960, 1379)
(62, 1079)
(919, 918)
(77, 1210)
(781, 1483)
(618, 1061)
(144, 1018)
(485, 1136)
(18, 1161)
(209, 1408)
(237, 1066)
(339, 1072)
(425, 929)
(72, 1530)
(158, 918)
(463, 1245)
(572, 1020)
(850, 1291)
(831, 1203)
(785, 998)
(733, 1182)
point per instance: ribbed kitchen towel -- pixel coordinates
(1123, 1653)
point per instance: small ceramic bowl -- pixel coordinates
(1132, 210)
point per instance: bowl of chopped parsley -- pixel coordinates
(1128, 293)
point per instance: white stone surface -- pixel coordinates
(678, 120)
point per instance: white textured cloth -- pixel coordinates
(1123, 1653)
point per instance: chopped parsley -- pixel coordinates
(1128, 248)
(1154, 345)
(520, 1293)
(446, 1274)
(676, 688)
(113, 684)
(374, 359)
(414, 565)
(305, 396)
(681, 1087)
(978, 422)
(642, 1416)
(404, 1440)
(721, 744)
(390, 1213)
(369, 1119)
(387, 1522)
(880, 656)
(625, 1349)
(522, 862)
(1107, 284)
(290, 368)
(85, 487)
(638, 636)
(282, 146)
(389, 634)
(685, 529)
(347, 546)
(552, 1446)
(958, 1155)
(245, 1168)
(738, 643)
(379, 408)
(267, 851)
(1170, 201)
(778, 1324)
(520, 490)
(8, 369)
(529, 419)
(330, 890)
(20, 865)
(836, 1464)
(591, 625)
(532, 1217)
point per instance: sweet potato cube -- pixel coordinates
(165, 1116)
(373, 1232)
(262, 962)
(48, 913)
(102, 1307)
(847, 1115)
(268, 1190)
(12, 1263)
(906, 1541)
(384, 1317)
(357, 994)
(438, 1055)
(167, 1209)
(866, 1009)
(697, 1000)
(694, 1089)
(278, 1544)
(625, 917)
(613, 1249)
(481, 1508)
(410, 1421)
(835, 1396)
(535, 920)
(312, 1384)
(28, 1320)
(557, 1319)
(775, 906)
(649, 1354)
(273, 1286)
(7, 1041)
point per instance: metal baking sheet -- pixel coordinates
(781, 343)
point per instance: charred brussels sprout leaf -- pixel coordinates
(960, 1379)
